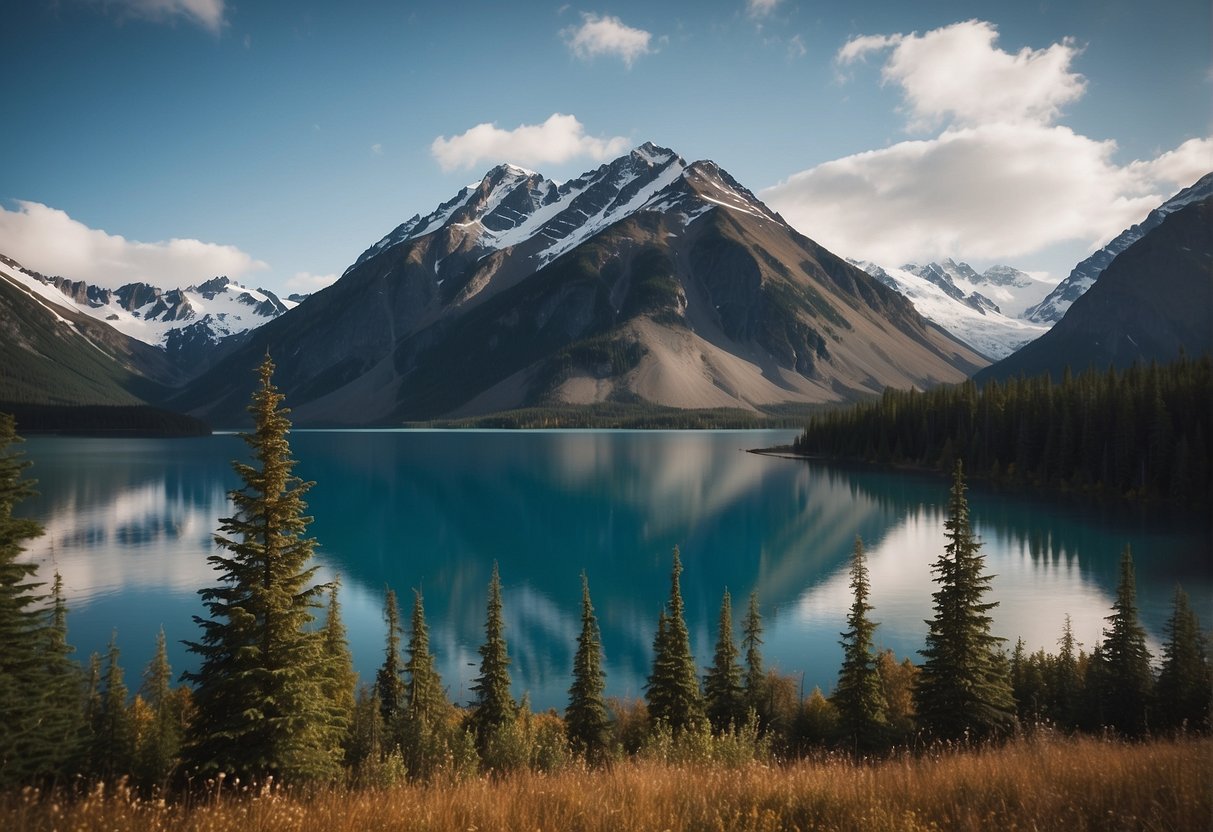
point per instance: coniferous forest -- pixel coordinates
(1142, 432)
(273, 710)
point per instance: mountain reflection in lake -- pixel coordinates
(129, 525)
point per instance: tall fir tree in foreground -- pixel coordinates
(755, 672)
(1185, 686)
(261, 706)
(673, 689)
(160, 744)
(113, 734)
(494, 705)
(964, 689)
(339, 678)
(424, 697)
(389, 681)
(586, 721)
(1123, 677)
(859, 697)
(723, 691)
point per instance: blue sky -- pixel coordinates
(169, 140)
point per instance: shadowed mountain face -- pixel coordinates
(646, 280)
(1152, 301)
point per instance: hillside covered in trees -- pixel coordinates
(1143, 432)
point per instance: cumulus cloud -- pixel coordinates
(606, 35)
(48, 240)
(760, 8)
(559, 139)
(205, 13)
(1000, 180)
(958, 74)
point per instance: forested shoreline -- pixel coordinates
(274, 701)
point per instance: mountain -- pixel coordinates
(645, 280)
(1153, 300)
(947, 293)
(190, 326)
(1053, 307)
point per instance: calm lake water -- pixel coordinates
(129, 525)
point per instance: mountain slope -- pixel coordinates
(1152, 301)
(646, 280)
(1054, 306)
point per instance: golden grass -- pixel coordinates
(1043, 784)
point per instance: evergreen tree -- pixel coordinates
(673, 689)
(423, 693)
(1125, 679)
(389, 681)
(1185, 688)
(160, 746)
(261, 709)
(113, 733)
(963, 689)
(586, 722)
(724, 694)
(1065, 683)
(751, 642)
(339, 679)
(859, 698)
(62, 724)
(495, 708)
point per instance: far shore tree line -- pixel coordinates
(275, 700)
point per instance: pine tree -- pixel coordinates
(423, 692)
(389, 681)
(1065, 683)
(673, 689)
(1126, 680)
(62, 718)
(113, 734)
(724, 694)
(339, 679)
(963, 689)
(261, 709)
(1185, 687)
(859, 698)
(751, 642)
(495, 707)
(586, 722)
(160, 747)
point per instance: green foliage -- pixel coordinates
(1185, 682)
(159, 745)
(262, 711)
(494, 705)
(859, 698)
(1141, 432)
(1124, 680)
(963, 690)
(724, 694)
(586, 716)
(751, 642)
(424, 697)
(112, 754)
(673, 687)
(339, 679)
(389, 681)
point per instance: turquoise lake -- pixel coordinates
(129, 525)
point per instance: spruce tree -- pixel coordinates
(113, 734)
(723, 692)
(586, 722)
(495, 706)
(339, 678)
(389, 681)
(160, 747)
(1065, 683)
(1126, 680)
(673, 688)
(963, 689)
(1185, 688)
(261, 709)
(859, 698)
(424, 697)
(751, 642)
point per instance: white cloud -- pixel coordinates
(995, 192)
(760, 8)
(958, 74)
(305, 283)
(377, 149)
(606, 35)
(206, 13)
(559, 139)
(48, 240)
(1000, 181)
